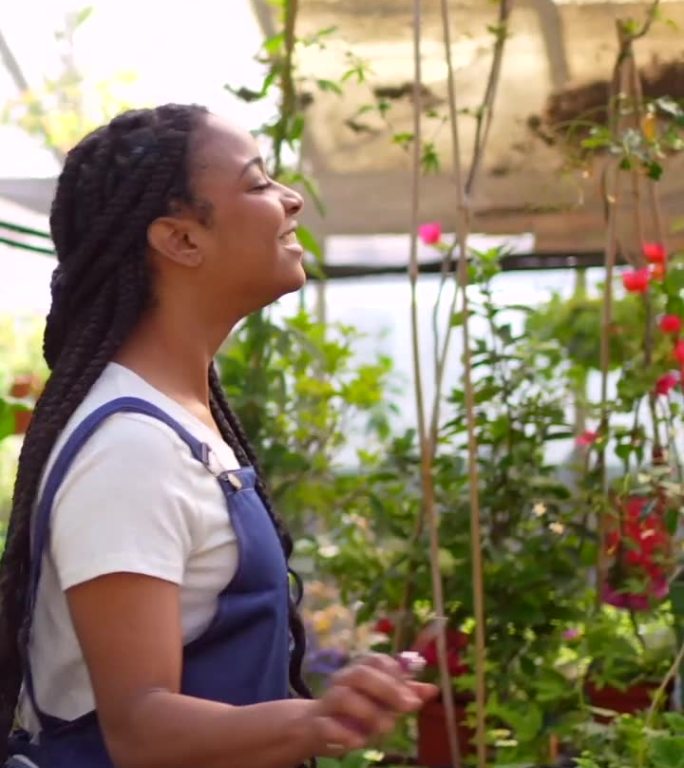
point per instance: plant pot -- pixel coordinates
(433, 741)
(22, 419)
(25, 385)
(632, 700)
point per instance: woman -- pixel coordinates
(145, 609)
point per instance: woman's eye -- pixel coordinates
(263, 185)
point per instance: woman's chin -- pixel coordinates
(296, 279)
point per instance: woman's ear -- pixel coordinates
(174, 239)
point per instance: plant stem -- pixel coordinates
(610, 251)
(485, 112)
(288, 104)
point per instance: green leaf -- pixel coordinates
(7, 411)
(296, 128)
(274, 44)
(82, 16)
(309, 243)
(329, 86)
(674, 280)
(402, 139)
(429, 158)
(667, 751)
(654, 170)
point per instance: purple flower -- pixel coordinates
(325, 661)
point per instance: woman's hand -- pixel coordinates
(363, 702)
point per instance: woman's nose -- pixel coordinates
(293, 202)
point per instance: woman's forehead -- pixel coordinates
(223, 145)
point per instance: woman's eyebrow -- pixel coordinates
(254, 161)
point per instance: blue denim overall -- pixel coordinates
(243, 656)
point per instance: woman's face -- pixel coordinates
(249, 252)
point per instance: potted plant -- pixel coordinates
(433, 741)
(627, 656)
(24, 391)
(537, 549)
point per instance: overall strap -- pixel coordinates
(65, 459)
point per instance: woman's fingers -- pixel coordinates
(424, 691)
(359, 712)
(379, 682)
(364, 701)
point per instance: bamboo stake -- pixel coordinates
(462, 281)
(441, 352)
(428, 511)
(611, 192)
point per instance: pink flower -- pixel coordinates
(670, 324)
(587, 438)
(571, 634)
(637, 280)
(654, 253)
(430, 233)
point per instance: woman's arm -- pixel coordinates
(130, 631)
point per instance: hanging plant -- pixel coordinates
(638, 545)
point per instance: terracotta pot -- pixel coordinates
(22, 419)
(433, 742)
(24, 386)
(635, 699)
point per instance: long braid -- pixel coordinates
(235, 436)
(114, 183)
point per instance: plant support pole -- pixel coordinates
(428, 511)
(475, 532)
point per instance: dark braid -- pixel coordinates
(115, 182)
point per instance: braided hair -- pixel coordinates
(115, 182)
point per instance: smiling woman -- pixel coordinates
(146, 617)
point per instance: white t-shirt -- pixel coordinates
(134, 500)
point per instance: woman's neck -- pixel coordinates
(173, 355)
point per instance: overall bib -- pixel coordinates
(242, 657)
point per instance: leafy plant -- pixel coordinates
(300, 393)
(68, 104)
(634, 741)
(535, 542)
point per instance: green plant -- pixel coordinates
(300, 393)
(536, 544)
(636, 742)
(65, 106)
(620, 653)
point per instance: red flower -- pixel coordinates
(637, 280)
(456, 642)
(666, 383)
(670, 324)
(587, 438)
(455, 664)
(641, 544)
(654, 253)
(384, 626)
(679, 351)
(430, 233)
